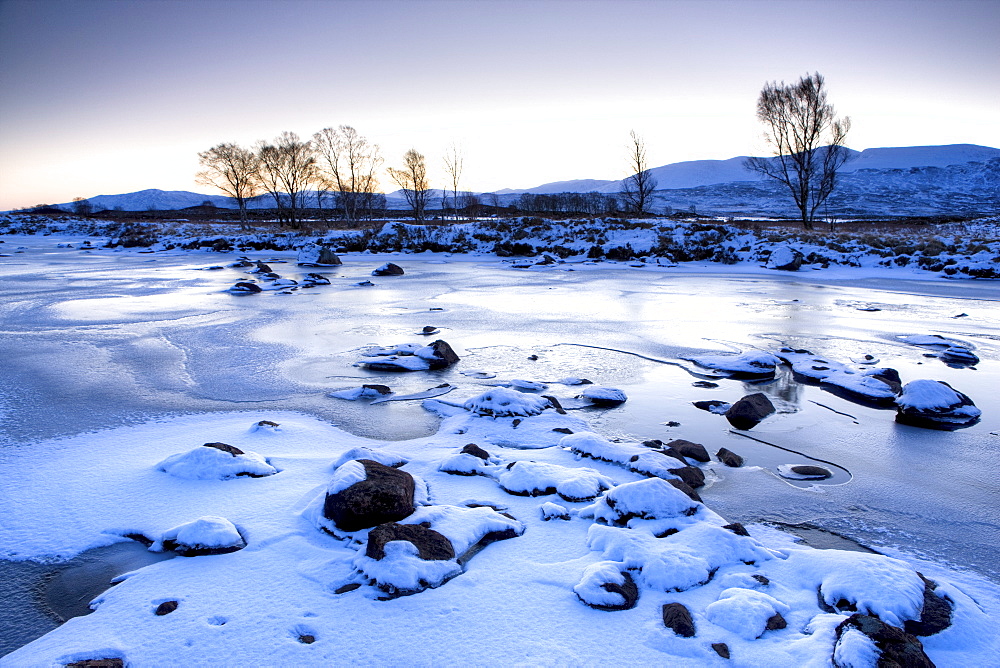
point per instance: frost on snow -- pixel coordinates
(209, 463)
(745, 612)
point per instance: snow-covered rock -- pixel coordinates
(750, 364)
(502, 402)
(633, 456)
(245, 288)
(935, 404)
(553, 511)
(316, 255)
(353, 503)
(411, 357)
(604, 396)
(539, 479)
(361, 452)
(785, 258)
(749, 411)
(746, 612)
(653, 498)
(606, 586)
(205, 535)
(211, 463)
(388, 269)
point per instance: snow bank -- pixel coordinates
(744, 612)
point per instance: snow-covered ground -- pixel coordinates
(118, 360)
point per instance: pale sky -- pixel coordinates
(113, 96)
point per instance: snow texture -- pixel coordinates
(590, 589)
(855, 650)
(632, 456)
(347, 474)
(501, 402)
(538, 478)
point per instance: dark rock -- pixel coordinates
(563, 430)
(381, 389)
(307, 639)
(386, 495)
(953, 411)
(476, 451)
(327, 256)
(729, 458)
(267, 423)
(431, 545)
(761, 579)
(166, 608)
(555, 404)
(897, 647)
(935, 615)
(263, 269)
(628, 590)
(388, 269)
(704, 383)
(234, 451)
(243, 286)
(722, 649)
(691, 475)
(959, 356)
(677, 618)
(813, 472)
(690, 450)
(97, 663)
(271, 276)
(711, 405)
(776, 622)
(653, 443)
(749, 411)
(444, 356)
(350, 586)
(737, 529)
(429, 329)
(686, 488)
(533, 358)
(316, 279)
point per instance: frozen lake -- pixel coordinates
(99, 339)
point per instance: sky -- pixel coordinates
(113, 96)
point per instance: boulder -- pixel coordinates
(729, 458)
(722, 649)
(388, 269)
(206, 535)
(441, 355)
(895, 646)
(677, 618)
(385, 495)
(165, 608)
(231, 449)
(690, 450)
(959, 356)
(811, 472)
(315, 279)
(604, 396)
(476, 451)
(785, 258)
(749, 411)
(935, 616)
(692, 476)
(934, 404)
(245, 288)
(317, 255)
(686, 488)
(431, 545)
(738, 529)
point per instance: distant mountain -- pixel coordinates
(912, 180)
(696, 173)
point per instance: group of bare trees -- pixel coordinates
(335, 163)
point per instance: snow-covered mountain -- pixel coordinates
(911, 180)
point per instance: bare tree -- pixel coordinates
(807, 139)
(637, 189)
(82, 206)
(453, 164)
(232, 169)
(347, 164)
(413, 180)
(287, 167)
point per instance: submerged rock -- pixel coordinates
(243, 287)
(729, 458)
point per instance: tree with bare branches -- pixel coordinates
(637, 189)
(454, 161)
(287, 167)
(234, 170)
(347, 164)
(807, 140)
(413, 180)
